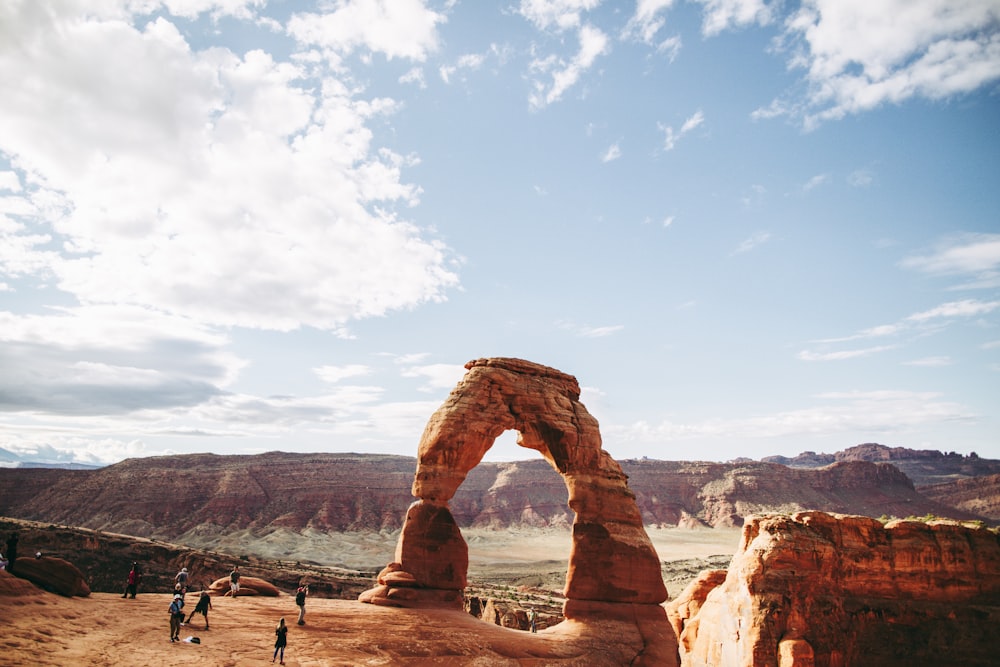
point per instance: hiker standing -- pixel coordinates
(281, 634)
(182, 580)
(204, 604)
(132, 582)
(300, 602)
(234, 581)
(176, 616)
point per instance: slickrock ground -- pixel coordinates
(45, 629)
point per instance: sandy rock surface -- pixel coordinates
(104, 629)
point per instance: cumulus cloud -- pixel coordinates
(646, 23)
(722, 15)
(469, 61)
(555, 14)
(613, 153)
(398, 29)
(564, 75)
(858, 55)
(231, 190)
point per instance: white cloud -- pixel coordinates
(931, 319)
(439, 376)
(555, 14)
(145, 160)
(109, 360)
(564, 75)
(600, 332)
(976, 256)
(722, 15)
(953, 309)
(808, 355)
(671, 137)
(613, 153)
(470, 61)
(9, 181)
(865, 412)
(861, 178)
(647, 21)
(930, 362)
(334, 374)
(859, 55)
(815, 182)
(756, 239)
(414, 75)
(397, 29)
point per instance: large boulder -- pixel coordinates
(248, 586)
(53, 574)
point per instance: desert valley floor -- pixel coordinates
(104, 629)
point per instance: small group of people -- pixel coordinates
(204, 605)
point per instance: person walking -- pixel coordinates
(300, 602)
(281, 641)
(234, 581)
(204, 604)
(176, 616)
(132, 582)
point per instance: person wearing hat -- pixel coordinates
(176, 614)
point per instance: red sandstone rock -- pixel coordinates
(53, 574)
(837, 591)
(248, 586)
(614, 573)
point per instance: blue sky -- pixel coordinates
(748, 228)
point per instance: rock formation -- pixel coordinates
(214, 497)
(248, 586)
(838, 591)
(53, 574)
(613, 574)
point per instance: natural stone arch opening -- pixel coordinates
(612, 560)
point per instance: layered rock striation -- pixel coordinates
(839, 591)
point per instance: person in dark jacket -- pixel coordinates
(281, 634)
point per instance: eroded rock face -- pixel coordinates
(838, 591)
(613, 569)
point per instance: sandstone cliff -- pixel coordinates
(196, 498)
(838, 591)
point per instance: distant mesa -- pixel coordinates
(614, 572)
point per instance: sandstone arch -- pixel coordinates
(613, 572)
